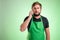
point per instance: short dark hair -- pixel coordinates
(36, 3)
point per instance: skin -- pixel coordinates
(35, 9)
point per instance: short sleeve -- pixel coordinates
(47, 23)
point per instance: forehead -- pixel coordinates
(37, 5)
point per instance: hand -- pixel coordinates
(30, 13)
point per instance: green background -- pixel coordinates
(13, 12)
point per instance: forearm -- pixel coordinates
(25, 24)
(47, 34)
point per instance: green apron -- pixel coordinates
(36, 30)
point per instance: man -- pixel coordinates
(36, 24)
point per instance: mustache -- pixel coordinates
(36, 14)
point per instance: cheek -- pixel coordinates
(39, 10)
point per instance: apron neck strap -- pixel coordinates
(39, 18)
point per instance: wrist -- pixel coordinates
(30, 17)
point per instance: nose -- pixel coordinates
(36, 10)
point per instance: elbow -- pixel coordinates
(22, 29)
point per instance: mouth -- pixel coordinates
(35, 14)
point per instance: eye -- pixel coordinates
(37, 7)
(34, 8)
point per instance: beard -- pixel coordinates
(36, 14)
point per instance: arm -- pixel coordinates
(26, 22)
(47, 33)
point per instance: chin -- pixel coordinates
(36, 13)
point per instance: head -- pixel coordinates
(36, 8)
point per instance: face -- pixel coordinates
(36, 9)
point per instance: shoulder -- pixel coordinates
(26, 18)
(44, 18)
(45, 22)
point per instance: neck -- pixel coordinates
(37, 17)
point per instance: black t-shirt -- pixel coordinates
(44, 19)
